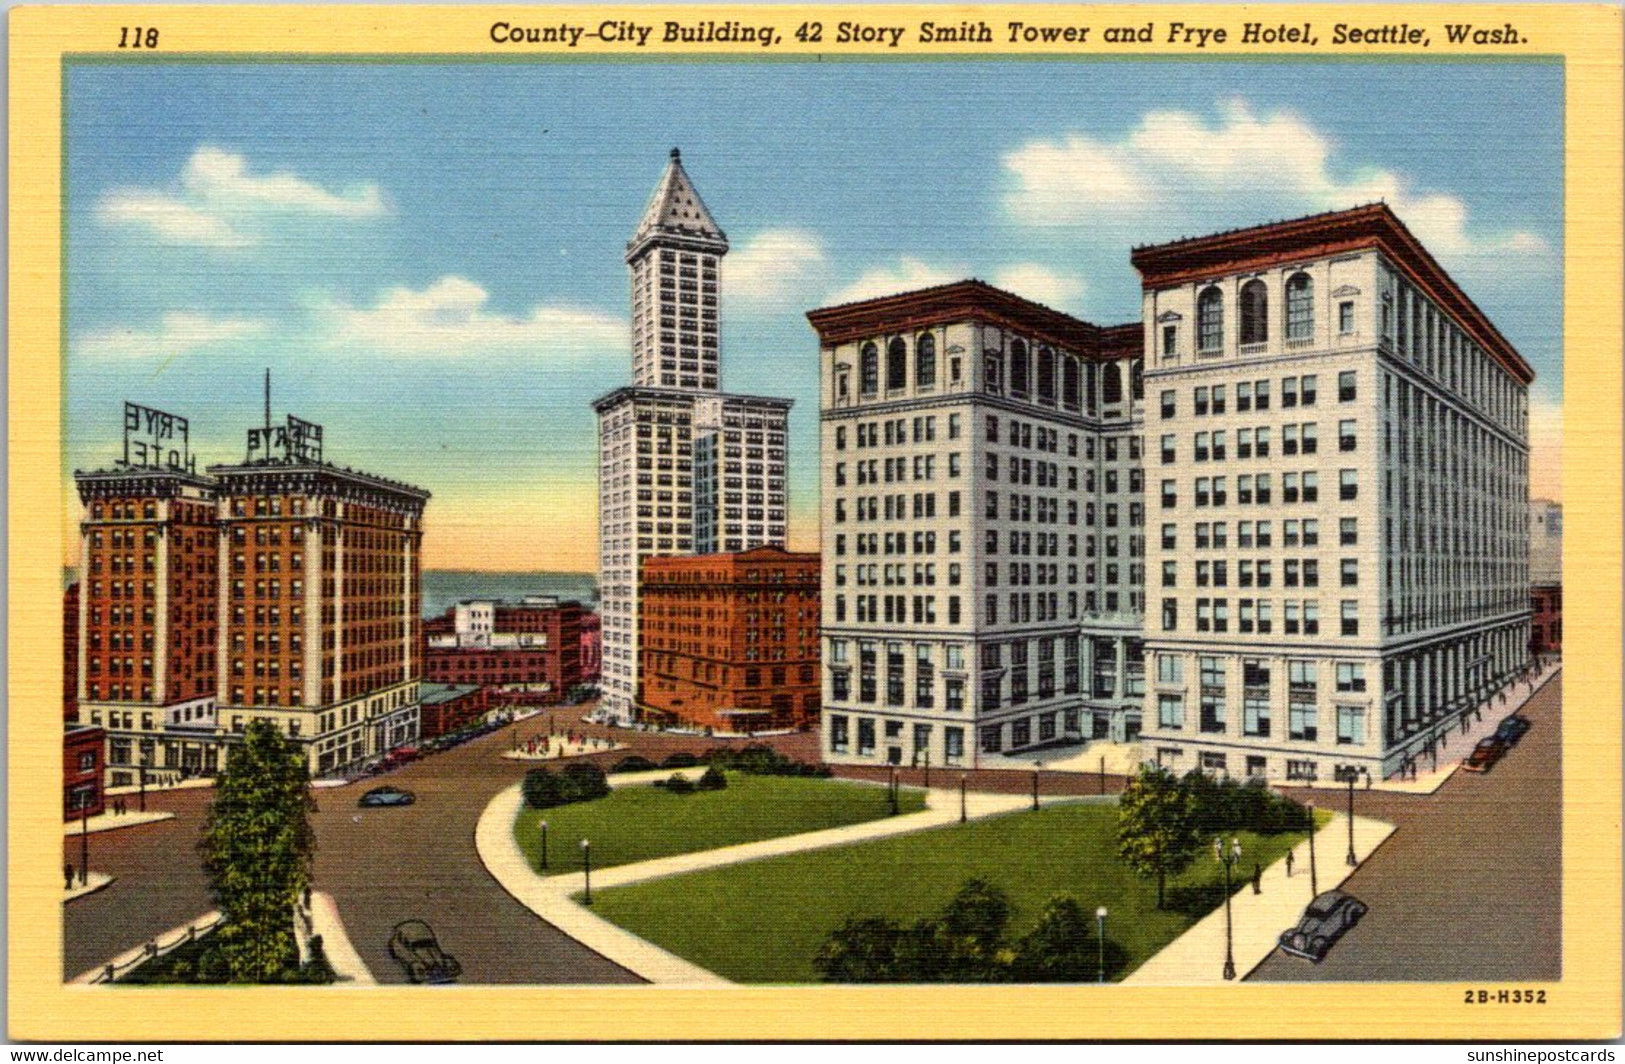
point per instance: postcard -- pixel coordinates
(815, 522)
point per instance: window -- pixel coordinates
(1171, 712)
(925, 361)
(1170, 494)
(1170, 536)
(1018, 368)
(1167, 449)
(869, 370)
(1346, 386)
(1168, 403)
(1348, 485)
(866, 736)
(1350, 726)
(1351, 572)
(1300, 307)
(1345, 317)
(1170, 614)
(1170, 341)
(1351, 617)
(1348, 531)
(1244, 397)
(896, 364)
(1111, 384)
(1350, 676)
(1306, 390)
(1346, 440)
(1254, 313)
(1210, 320)
(1170, 668)
(1289, 392)
(838, 735)
(1046, 375)
(1261, 395)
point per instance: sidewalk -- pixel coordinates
(553, 751)
(1122, 759)
(109, 822)
(1197, 956)
(126, 960)
(95, 882)
(550, 897)
(341, 955)
(155, 789)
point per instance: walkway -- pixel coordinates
(1197, 956)
(111, 822)
(550, 896)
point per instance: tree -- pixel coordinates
(861, 950)
(974, 924)
(1157, 829)
(1060, 948)
(258, 848)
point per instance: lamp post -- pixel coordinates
(142, 770)
(84, 845)
(928, 770)
(892, 790)
(1100, 941)
(1227, 858)
(1351, 860)
(962, 816)
(1037, 767)
(544, 845)
(586, 868)
(1314, 890)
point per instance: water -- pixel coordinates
(443, 588)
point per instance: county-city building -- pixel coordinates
(683, 468)
(1276, 529)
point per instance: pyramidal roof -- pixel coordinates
(676, 210)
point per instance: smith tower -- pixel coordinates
(675, 257)
(682, 467)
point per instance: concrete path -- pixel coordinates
(155, 789)
(109, 822)
(341, 955)
(95, 882)
(1122, 759)
(1197, 956)
(555, 751)
(550, 896)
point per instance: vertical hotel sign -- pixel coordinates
(155, 439)
(295, 442)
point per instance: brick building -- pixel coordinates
(447, 707)
(528, 651)
(730, 641)
(82, 768)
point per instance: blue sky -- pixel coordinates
(429, 257)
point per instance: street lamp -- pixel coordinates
(544, 846)
(1100, 939)
(1314, 890)
(1228, 859)
(928, 770)
(893, 790)
(1037, 767)
(142, 769)
(1351, 860)
(84, 844)
(962, 778)
(586, 868)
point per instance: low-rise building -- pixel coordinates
(730, 641)
(529, 651)
(82, 766)
(444, 708)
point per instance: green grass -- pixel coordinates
(763, 922)
(641, 822)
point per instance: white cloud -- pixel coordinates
(1039, 284)
(906, 275)
(450, 319)
(179, 332)
(773, 266)
(1177, 169)
(217, 202)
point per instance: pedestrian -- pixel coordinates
(67, 875)
(1258, 878)
(1289, 864)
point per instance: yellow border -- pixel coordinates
(1585, 1004)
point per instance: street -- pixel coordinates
(1469, 886)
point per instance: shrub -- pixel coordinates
(759, 760)
(583, 781)
(679, 785)
(713, 780)
(634, 763)
(542, 789)
(681, 759)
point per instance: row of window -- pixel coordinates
(1295, 487)
(1302, 617)
(1296, 391)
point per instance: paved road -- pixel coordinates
(389, 865)
(1468, 887)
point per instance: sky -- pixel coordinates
(429, 258)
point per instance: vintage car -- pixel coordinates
(1512, 729)
(380, 796)
(415, 948)
(1485, 754)
(1323, 923)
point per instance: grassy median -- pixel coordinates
(763, 922)
(642, 822)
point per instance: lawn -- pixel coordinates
(763, 922)
(642, 822)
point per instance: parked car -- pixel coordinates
(1511, 730)
(1485, 754)
(1323, 923)
(387, 796)
(415, 948)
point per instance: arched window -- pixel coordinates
(1069, 382)
(1046, 375)
(1255, 313)
(993, 372)
(1111, 384)
(1090, 376)
(1300, 307)
(925, 361)
(1136, 376)
(869, 370)
(1210, 320)
(896, 364)
(1018, 368)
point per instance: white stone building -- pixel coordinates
(682, 467)
(982, 527)
(1338, 466)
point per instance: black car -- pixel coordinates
(387, 796)
(415, 948)
(1323, 923)
(1511, 730)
